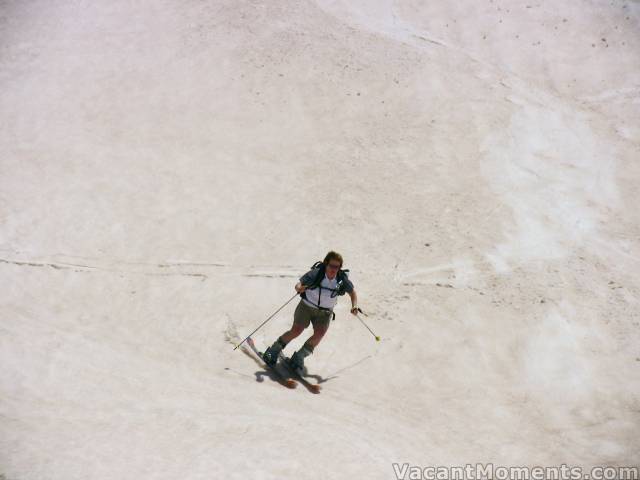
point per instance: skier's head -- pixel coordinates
(332, 263)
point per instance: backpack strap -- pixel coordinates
(319, 274)
(342, 276)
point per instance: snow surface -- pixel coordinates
(168, 169)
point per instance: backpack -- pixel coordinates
(317, 280)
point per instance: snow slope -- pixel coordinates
(169, 169)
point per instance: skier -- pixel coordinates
(319, 289)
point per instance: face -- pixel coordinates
(332, 269)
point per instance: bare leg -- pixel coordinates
(292, 333)
(314, 340)
(271, 354)
(307, 349)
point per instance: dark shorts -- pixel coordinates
(306, 314)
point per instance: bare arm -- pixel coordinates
(354, 301)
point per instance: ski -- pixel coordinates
(312, 387)
(285, 380)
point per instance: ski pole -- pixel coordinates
(270, 317)
(362, 321)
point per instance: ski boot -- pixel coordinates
(270, 356)
(297, 359)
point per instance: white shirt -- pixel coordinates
(326, 300)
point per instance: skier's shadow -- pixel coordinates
(320, 379)
(261, 374)
(335, 375)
